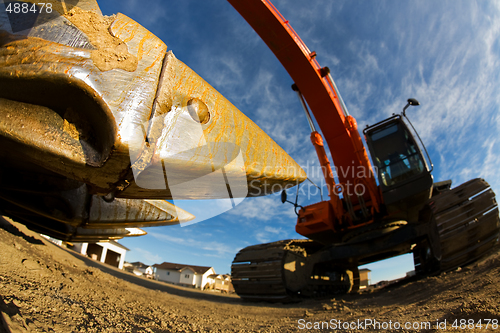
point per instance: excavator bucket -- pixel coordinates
(99, 124)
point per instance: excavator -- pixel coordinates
(382, 204)
(100, 124)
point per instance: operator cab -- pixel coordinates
(403, 174)
(396, 154)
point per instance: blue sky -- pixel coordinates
(446, 54)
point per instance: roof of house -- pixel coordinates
(220, 276)
(139, 264)
(178, 267)
(111, 241)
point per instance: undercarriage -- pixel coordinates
(456, 227)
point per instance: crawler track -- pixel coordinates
(282, 272)
(467, 221)
(258, 272)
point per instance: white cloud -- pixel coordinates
(213, 248)
(150, 14)
(270, 233)
(222, 71)
(273, 230)
(460, 95)
(262, 237)
(147, 256)
(267, 208)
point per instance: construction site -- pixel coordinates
(44, 288)
(106, 131)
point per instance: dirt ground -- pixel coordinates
(44, 288)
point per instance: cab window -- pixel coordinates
(396, 154)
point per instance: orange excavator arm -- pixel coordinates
(315, 84)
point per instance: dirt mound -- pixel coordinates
(44, 288)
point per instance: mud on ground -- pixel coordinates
(44, 288)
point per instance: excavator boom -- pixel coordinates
(319, 90)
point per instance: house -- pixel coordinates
(411, 274)
(138, 268)
(364, 278)
(184, 275)
(109, 252)
(53, 240)
(220, 282)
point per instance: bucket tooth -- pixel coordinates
(67, 232)
(66, 214)
(93, 235)
(137, 213)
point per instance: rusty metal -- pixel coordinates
(227, 143)
(115, 107)
(103, 109)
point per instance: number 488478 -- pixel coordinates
(25, 8)
(471, 324)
